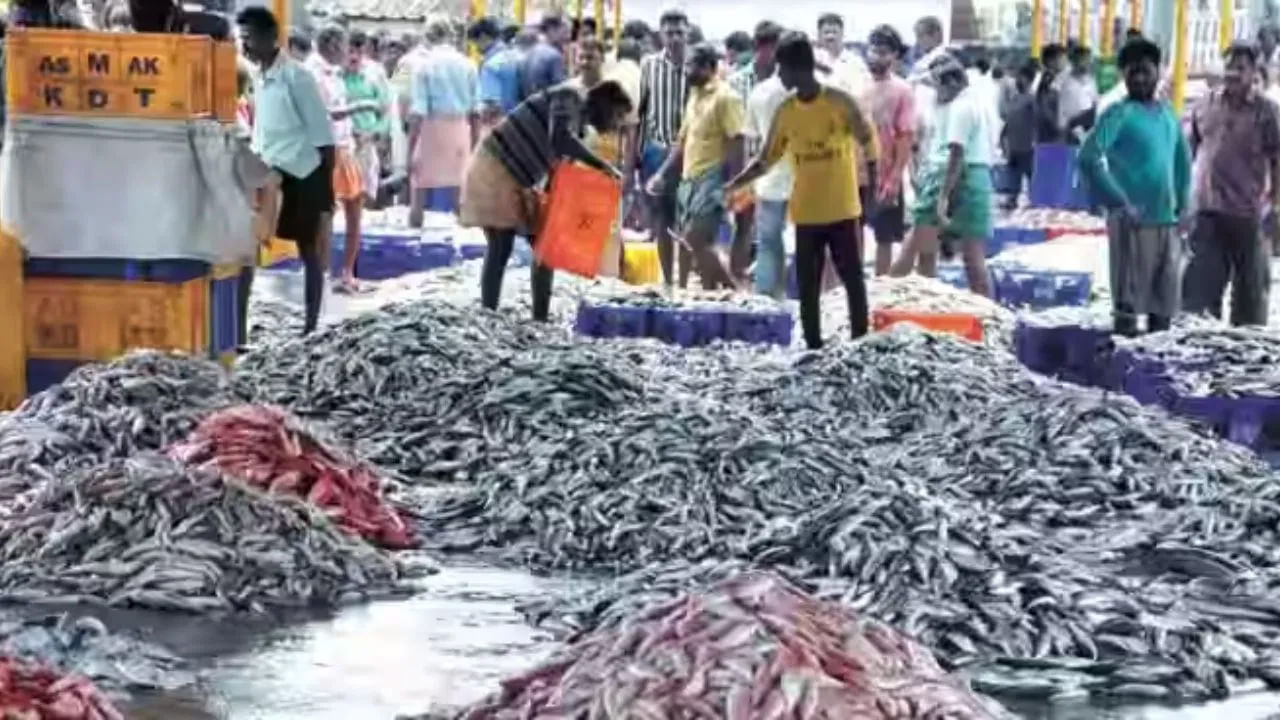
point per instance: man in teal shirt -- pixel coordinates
(1138, 161)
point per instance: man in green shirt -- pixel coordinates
(370, 125)
(1138, 161)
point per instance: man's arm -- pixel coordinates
(566, 143)
(1092, 158)
(863, 133)
(775, 145)
(305, 90)
(733, 124)
(1181, 168)
(904, 141)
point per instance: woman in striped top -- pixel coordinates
(499, 190)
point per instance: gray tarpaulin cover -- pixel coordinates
(142, 189)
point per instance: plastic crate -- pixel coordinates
(44, 374)
(965, 325)
(13, 354)
(611, 320)
(472, 251)
(1054, 178)
(224, 311)
(641, 265)
(1021, 287)
(74, 72)
(688, 328)
(442, 199)
(1003, 238)
(88, 319)
(117, 269)
(1073, 353)
(385, 256)
(279, 254)
(766, 328)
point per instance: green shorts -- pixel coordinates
(701, 199)
(970, 206)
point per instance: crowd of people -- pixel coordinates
(772, 129)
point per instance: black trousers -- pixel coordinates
(498, 252)
(304, 204)
(1227, 248)
(844, 240)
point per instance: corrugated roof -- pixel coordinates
(383, 9)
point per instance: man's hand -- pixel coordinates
(944, 209)
(1132, 213)
(655, 185)
(887, 195)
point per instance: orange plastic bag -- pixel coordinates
(582, 207)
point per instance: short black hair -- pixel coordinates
(1029, 70)
(739, 41)
(1078, 52)
(695, 36)
(637, 30)
(830, 19)
(629, 49)
(887, 36)
(1241, 51)
(1135, 51)
(329, 33)
(674, 16)
(259, 19)
(611, 93)
(484, 27)
(704, 54)
(357, 38)
(768, 33)
(509, 32)
(299, 39)
(795, 51)
(552, 21)
(1134, 33)
(1052, 51)
(930, 24)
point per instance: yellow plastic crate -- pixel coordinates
(95, 319)
(77, 72)
(13, 353)
(640, 264)
(277, 251)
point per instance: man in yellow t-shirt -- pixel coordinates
(709, 149)
(816, 128)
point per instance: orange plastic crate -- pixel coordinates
(77, 72)
(966, 326)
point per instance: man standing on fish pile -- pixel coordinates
(1138, 160)
(498, 188)
(816, 129)
(709, 149)
(955, 193)
(1235, 134)
(293, 135)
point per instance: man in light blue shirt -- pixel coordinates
(292, 134)
(441, 123)
(499, 71)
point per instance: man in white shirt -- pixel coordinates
(1077, 94)
(848, 70)
(772, 192)
(930, 48)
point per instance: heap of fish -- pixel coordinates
(921, 294)
(83, 646)
(1210, 359)
(148, 532)
(267, 448)
(752, 646)
(142, 401)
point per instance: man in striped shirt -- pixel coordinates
(663, 90)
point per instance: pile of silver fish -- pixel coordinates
(754, 646)
(921, 294)
(118, 664)
(148, 532)
(1211, 359)
(142, 401)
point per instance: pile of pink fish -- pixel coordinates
(35, 693)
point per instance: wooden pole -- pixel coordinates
(479, 8)
(1226, 25)
(1064, 22)
(518, 9)
(282, 10)
(600, 22)
(1037, 28)
(1135, 14)
(617, 26)
(1085, 36)
(1180, 56)
(1108, 40)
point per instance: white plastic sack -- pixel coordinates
(142, 189)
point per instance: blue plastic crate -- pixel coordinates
(1032, 236)
(1076, 354)
(688, 328)
(954, 275)
(472, 251)
(1054, 178)
(384, 256)
(1022, 287)
(224, 314)
(611, 320)
(1040, 349)
(180, 270)
(1003, 238)
(442, 199)
(43, 374)
(759, 327)
(1004, 180)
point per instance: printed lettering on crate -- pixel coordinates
(72, 72)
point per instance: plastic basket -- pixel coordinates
(44, 374)
(688, 328)
(13, 353)
(1020, 287)
(117, 269)
(1054, 178)
(581, 210)
(641, 265)
(762, 328)
(390, 255)
(965, 325)
(611, 320)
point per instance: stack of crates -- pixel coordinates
(92, 310)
